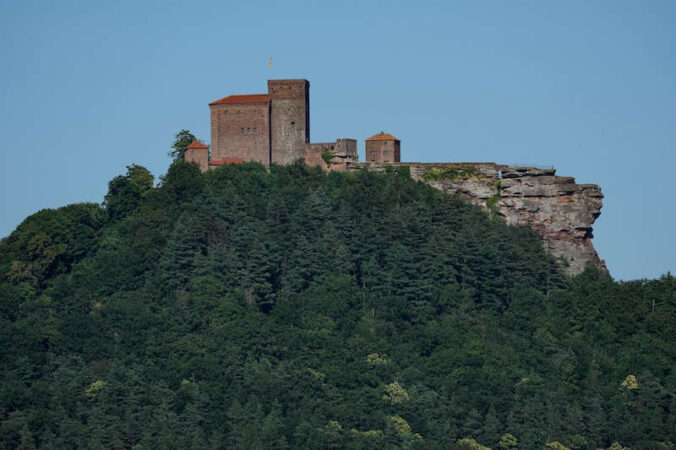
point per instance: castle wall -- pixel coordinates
(289, 119)
(342, 151)
(199, 156)
(241, 130)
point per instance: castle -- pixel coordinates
(274, 128)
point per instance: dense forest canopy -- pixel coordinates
(293, 308)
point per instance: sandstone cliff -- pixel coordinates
(559, 210)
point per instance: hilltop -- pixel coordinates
(287, 307)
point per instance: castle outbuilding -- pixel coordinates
(383, 148)
(198, 152)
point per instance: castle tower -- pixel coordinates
(383, 148)
(197, 152)
(289, 119)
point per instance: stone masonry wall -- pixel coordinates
(342, 151)
(200, 156)
(241, 130)
(559, 210)
(383, 151)
(289, 119)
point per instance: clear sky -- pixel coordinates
(88, 87)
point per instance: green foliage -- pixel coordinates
(50, 242)
(404, 171)
(327, 157)
(629, 384)
(291, 308)
(471, 444)
(125, 192)
(556, 446)
(508, 442)
(181, 140)
(93, 389)
(492, 201)
(451, 173)
(401, 434)
(374, 359)
(395, 393)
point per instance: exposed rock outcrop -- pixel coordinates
(559, 210)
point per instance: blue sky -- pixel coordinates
(88, 87)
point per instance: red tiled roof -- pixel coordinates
(197, 144)
(253, 98)
(383, 137)
(223, 161)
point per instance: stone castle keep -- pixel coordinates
(274, 128)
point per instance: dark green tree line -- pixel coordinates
(286, 307)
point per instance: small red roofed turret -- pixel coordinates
(198, 152)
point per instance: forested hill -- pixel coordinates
(243, 308)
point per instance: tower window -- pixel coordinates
(248, 131)
(255, 130)
(241, 131)
(374, 153)
(293, 124)
(386, 152)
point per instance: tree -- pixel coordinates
(135, 332)
(508, 442)
(272, 430)
(555, 446)
(395, 393)
(471, 444)
(125, 192)
(182, 139)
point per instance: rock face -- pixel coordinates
(559, 210)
